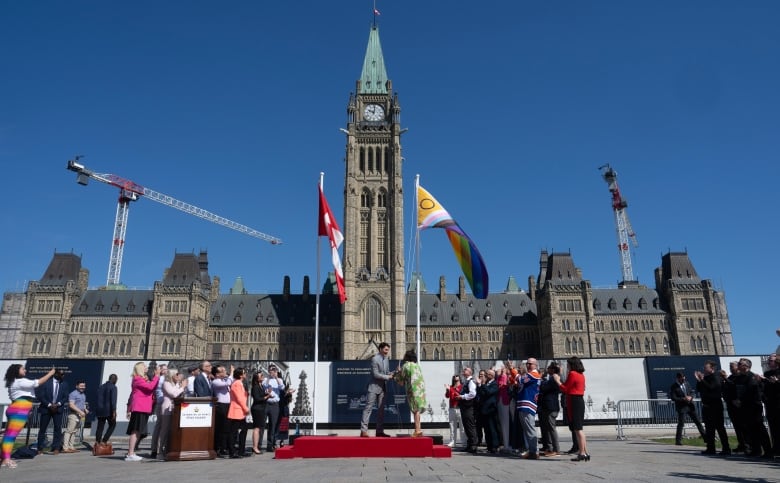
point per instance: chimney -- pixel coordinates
(305, 288)
(462, 288)
(442, 289)
(286, 289)
(532, 287)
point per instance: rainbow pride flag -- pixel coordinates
(430, 214)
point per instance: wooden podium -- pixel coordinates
(192, 430)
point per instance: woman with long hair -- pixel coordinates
(451, 392)
(411, 376)
(574, 388)
(141, 405)
(173, 387)
(21, 392)
(259, 397)
(237, 413)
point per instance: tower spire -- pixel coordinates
(373, 78)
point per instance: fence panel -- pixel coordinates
(653, 414)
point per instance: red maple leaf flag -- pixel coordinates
(329, 228)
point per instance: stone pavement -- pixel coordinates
(636, 459)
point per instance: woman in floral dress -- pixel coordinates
(410, 376)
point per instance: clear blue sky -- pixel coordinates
(511, 108)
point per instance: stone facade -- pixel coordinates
(186, 317)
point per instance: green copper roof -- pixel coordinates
(238, 287)
(511, 285)
(373, 79)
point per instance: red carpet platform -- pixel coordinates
(356, 447)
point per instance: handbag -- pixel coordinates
(102, 449)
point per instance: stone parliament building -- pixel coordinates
(186, 316)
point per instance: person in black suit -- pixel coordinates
(680, 393)
(53, 398)
(468, 393)
(711, 391)
(106, 409)
(203, 381)
(488, 407)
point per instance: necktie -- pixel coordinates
(55, 391)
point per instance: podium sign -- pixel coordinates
(192, 430)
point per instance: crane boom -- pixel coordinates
(622, 224)
(132, 191)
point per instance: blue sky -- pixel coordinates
(511, 108)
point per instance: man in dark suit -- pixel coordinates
(53, 398)
(106, 409)
(488, 407)
(681, 394)
(203, 381)
(380, 374)
(710, 389)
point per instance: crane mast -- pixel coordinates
(622, 225)
(131, 191)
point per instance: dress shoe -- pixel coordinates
(709, 451)
(678, 443)
(55, 452)
(153, 454)
(725, 452)
(363, 434)
(573, 451)
(382, 435)
(531, 456)
(551, 454)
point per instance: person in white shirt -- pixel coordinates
(21, 392)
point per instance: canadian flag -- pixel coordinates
(329, 228)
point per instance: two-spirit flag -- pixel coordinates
(430, 214)
(329, 228)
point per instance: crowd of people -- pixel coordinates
(499, 408)
(747, 396)
(260, 403)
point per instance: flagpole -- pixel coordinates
(316, 331)
(417, 261)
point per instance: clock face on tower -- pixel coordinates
(373, 112)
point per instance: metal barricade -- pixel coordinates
(653, 414)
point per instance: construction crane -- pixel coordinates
(624, 230)
(132, 191)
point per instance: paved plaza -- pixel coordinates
(635, 459)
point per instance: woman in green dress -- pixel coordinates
(410, 376)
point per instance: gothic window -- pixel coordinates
(373, 314)
(362, 160)
(382, 199)
(113, 347)
(643, 304)
(35, 346)
(455, 317)
(706, 344)
(622, 346)
(647, 344)
(693, 344)
(232, 354)
(486, 316)
(612, 304)
(568, 346)
(597, 304)
(122, 348)
(631, 347)
(370, 160)
(99, 307)
(436, 354)
(653, 347)
(365, 199)
(627, 304)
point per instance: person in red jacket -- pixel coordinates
(451, 392)
(574, 388)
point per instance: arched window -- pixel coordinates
(373, 314)
(622, 346)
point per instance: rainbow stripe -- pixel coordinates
(430, 214)
(16, 414)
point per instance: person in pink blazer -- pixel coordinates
(173, 387)
(140, 406)
(237, 413)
